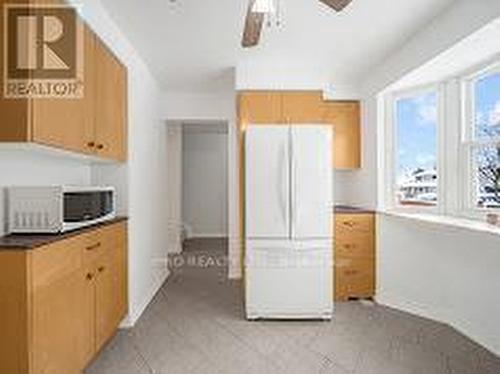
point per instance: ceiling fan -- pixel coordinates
(257, 11)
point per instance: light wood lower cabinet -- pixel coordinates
(60, 309)
(110, 285)
(354, 256)
(60, 303)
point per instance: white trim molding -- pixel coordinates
(456, 197)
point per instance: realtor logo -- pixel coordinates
(43, 52)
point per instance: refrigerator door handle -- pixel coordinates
(283, 185)
(292, 202)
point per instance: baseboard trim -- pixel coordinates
(441, 316)
(175, 249)
(208, 236)
(132, 319)
(235, 273)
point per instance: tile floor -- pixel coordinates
(196, 324)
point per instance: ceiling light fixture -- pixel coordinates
(264, 6)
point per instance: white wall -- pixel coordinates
(269, 76)
(457, 22)
(184, 107)
(29, 168)
(205, 180)
(143, 180)
(446, 273)
(441, 272)
(174, 166)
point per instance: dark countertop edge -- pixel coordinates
(346, 209)
(15, 242)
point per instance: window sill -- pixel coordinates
(455, 222)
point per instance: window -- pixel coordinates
(415, 129)
(482, 140)
(440, 151)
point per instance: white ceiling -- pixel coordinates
(194, 45)
(458, 60)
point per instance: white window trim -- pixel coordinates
(390, 203)
(468, 144)
(456, 196)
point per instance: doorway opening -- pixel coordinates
(198, 196)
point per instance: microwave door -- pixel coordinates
(87, 206)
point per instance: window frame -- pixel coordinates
(391, 129)
(468, 144)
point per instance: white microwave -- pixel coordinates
(56, 209)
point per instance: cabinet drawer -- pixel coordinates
(55, 261)
(349, 226)
(102, 242)
(93, 246)
(354, 278)
(355, 247)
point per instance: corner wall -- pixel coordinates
(205, 181)
(175, 193)
(181, 107)
(457, 22)
(441, 272)
(142, 182)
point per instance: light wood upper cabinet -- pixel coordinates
(14, 114)
(307, 107)
(62, 302)
(261, 107)
(345, 118)
(303, 107)
(95, 124)
(69, 123)
(111, 107)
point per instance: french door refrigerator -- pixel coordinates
(289, 222)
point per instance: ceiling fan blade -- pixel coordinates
(338, 5)
(253, 27)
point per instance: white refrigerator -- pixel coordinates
(289, 222)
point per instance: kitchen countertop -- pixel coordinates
(345, 209)
(32, 241)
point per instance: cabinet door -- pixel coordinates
(354, 278)
(260, 107)
(354, 256)
(303, 107)
(69, 123)
(349, 226)
(14, 316)
(345, 117)
(111, 105)
(14, 113)
(61, 311)
(111, 283)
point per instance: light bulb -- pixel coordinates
(264, 6)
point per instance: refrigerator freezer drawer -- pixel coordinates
(289, 282)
